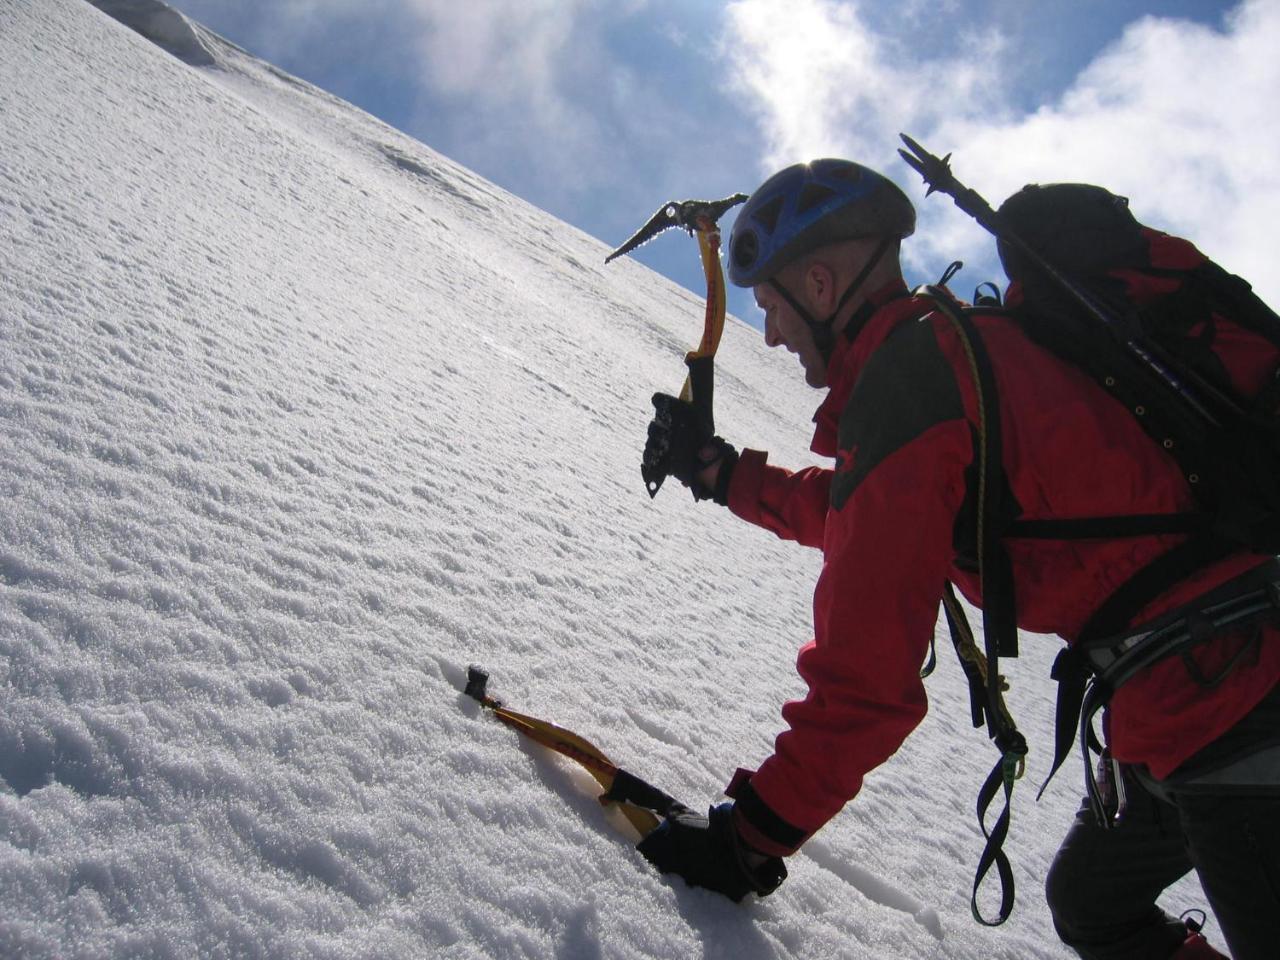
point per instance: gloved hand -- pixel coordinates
(680, 443)
(708, 852)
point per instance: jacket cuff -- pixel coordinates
(746, 484)
(724, 477)
(760, 828)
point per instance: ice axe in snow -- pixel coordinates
(700, 219)
(643, 804)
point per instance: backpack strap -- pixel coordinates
(999, 607)
(1072, 672)
(1072, 669)
(1108, 528)
(973, 663)
(1118, 611)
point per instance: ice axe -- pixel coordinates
(700, 219)
(938, 177)
(643, 804)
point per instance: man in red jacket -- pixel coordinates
(818, 244)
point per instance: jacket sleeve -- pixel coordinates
(897, 489)
(791, 505)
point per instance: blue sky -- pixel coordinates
(598, 111)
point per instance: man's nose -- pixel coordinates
(771, 337)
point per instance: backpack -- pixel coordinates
(1188, 348)
(1194, 356)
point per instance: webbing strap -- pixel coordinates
(1009, 768)
(1002, 775)
(628, 788)
(1072, 673)
(1107, 528)
(999, 606)
(1118, 611)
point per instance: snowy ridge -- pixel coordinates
(166, 27)
(298, 418)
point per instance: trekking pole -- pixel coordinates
(700, 219)
(937, 175)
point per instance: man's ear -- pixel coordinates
(820, 285)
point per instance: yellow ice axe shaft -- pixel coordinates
(699, 383)
(699, 218)
(568, 744)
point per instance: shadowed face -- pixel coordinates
(783, 327)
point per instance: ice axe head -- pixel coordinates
(690, 214)
(477, 683)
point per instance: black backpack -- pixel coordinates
(1194, 355)
(1186, 346)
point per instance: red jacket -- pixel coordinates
(901, 428)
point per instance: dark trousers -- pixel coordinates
(1103, 884)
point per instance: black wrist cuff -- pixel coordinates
(728, 460)
(761, 828)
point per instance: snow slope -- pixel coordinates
(297, 419)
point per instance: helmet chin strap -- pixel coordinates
(824, 337)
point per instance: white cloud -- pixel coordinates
(511, 68)
(514, 59)
(1176, 115)
(500, 50)
(821, 81)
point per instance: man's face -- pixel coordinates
(783, 327)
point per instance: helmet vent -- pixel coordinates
(745, 250)
(767, 215)
(811, 195)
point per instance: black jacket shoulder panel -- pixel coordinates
(906, 388)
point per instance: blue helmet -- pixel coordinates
(809, 205)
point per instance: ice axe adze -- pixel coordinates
(643, 804)
(699, 218)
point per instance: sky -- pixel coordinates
(599, 112)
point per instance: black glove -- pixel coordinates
(708, 852)
(680, 443)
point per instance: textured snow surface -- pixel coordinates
(297, 419)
